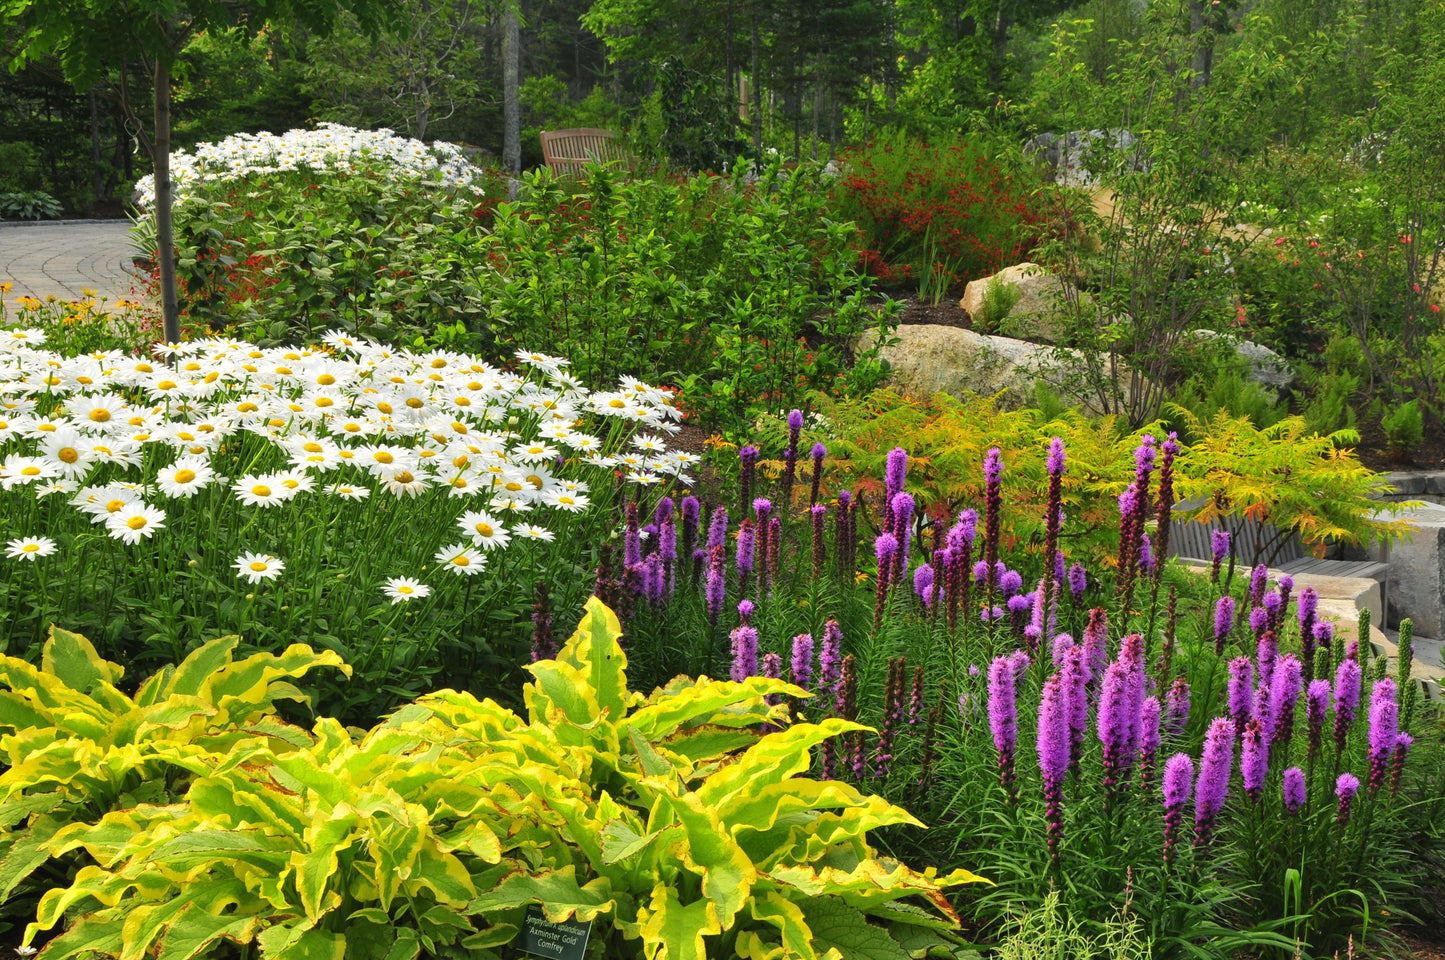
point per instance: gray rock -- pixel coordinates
(1266, 368)
(1406, 484)
(1417, 571)
(1435, 483)
(1036, 314)
(1067, 154)
(930, 359)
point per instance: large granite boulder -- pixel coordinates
(1417, 570)
(1066, 154)
(1036, 314)
(929, 359)
(1266, 368)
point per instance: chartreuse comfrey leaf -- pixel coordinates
(73, 660)
(673, 930)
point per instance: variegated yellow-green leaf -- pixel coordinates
(673, 930)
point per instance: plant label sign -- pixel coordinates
(560, 941)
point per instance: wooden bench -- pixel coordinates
(1252, 541)
(570, 151)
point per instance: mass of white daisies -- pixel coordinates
(503, 456)
(331, 146)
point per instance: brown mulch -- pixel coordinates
(1429, 456)
(947, 313)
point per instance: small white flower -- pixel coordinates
(530, 531)
(134, 522)
(462, 559)
(400, 589)
(29, 548)
(256, 567)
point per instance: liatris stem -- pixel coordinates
(1404, 665)
(1347, 700)
(1053, 752)
(747, 461)
(930, 743)
(1169, 450)
(993, 506)
(1254, 760)
(892, 707)
(1223, 622)
(884, 549)
(818, 512)
(1003, 717)
(745, 653)
(1397, 762)
(543, 646)
(691, 513)
(1171, 625)
(830, 662)
(1219, 548)
(818, 454)
(1053, 514)
(770, 556)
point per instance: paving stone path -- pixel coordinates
(64, 258)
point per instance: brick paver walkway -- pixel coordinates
(65, 258)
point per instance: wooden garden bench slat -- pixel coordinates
(570, 151)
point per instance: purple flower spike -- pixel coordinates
(1148, 734)
(795, 426)
(884, 548)
(1266, 653)
(762, 507)
(818, 452)
(830, 658)
(1078, 581)
(1219, 549)
(1254, 760)
(1258, 620)
(1384, 730)
(716, 587)
(1346, 786)
(1241, 692)
(717, 529)
(1283, 695)
(1003, 716)
(747, 548)
(1119, 705)
(745, 653)
(745, 612)
(1317, 702)
(963, 533)
(1294, 790)
(1146, 555)
(895, 474)
(772, 666)
(1347, 698)
(923, 585)
(981, 571)
(1258, 580)
(1212, 787)
(802, 660)
(1177, 785)
(1176, 707)
(1053, 750)
(1223, 622)
(1009, 582)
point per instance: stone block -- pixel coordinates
(1359, 593)
(1435, 483)
(1417, 571)
(1406, 484)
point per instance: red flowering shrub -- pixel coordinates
(938, 213)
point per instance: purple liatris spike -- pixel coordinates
(801, 663)
(1346, 786)
(1397, 763)
(1176, 707)
(1096, 643)
(1306, 610)
(1283, 695)
(895, 473)
(1384, 730)
(717, 528)
(1273, 613)
(762, 508)
(1119, 704)
(830, 658)
(795, 426)
(963, 532)
(667, 539)
(992, 502)
(1219, 550)
(1347, 698)
(923, 585)
(817, 512)
(1078, 581)
(884, 547)
(716, 586)
(1177, 784)
(747, 548)
(772, 666)
(745, 612)
(745, 653)
(632, 539)
(1060, 648)
(1266, 653)
(1317, 702)
(1223, 622)
(1053, 751)
(1076, 689)
(1254, 760)
(1258, 580)
(1003, 717)
(819, 452)
(1293, 785)
(654, 580)
(1034, 631)
(1258, 620)
(1241, 692)
(1149, 713)
(1009, 581)
(1146, 555)
(981, 572)
(1212, 787)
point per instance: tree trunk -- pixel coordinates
(1001, 24)
(511, 85)
(165, 233)
(757, 91)
(97, 171)
(1201, 30)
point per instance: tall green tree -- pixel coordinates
(93, 40)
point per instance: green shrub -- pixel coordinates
(33, 205)
(999, 299)
(1404, 427)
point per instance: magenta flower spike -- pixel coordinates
(746, 558)
(895, 473)
(1241, 692)
(1149, 722)
(1003, 716)
(830, 658)
(1346, 786)
(1284, 695)
(1078, 582)
(1258, 581)
(1254, 760)
(818, 453)
(717, 528)
(1384, 731)
(1223, 622)
(745, 653)
(1293, 786)
(1053, 751)
(1212, 786)
(715, 589)
(801, 664)
(1076, 688)
(1317, 702)
(1266, 653)
(1177, 785)
(923, 585)
(1347, 698)
(1307, 609)
(1219, 550)
(992, 502)
(1119, 704)
(1176, 707)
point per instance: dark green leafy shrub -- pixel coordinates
(29, 205)
(1404, 427)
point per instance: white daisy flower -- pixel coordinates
(256, 491)
(185, 478)
(400, 589)
(135, 522)
(405, 483)
(350, 492)
(30, 548)
(530, 531)
(570, 502)
(486, 531)
(19, 470)
(462, 559)
(256, 567)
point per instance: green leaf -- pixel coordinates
(193, 672)
(74, 661)
(837, 926)
(675, 930)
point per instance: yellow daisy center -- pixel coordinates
(261, 490)
(136, 523)
(259, 567)
(68, 454)
(185, 476)
(100, 416)
(485, 529)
